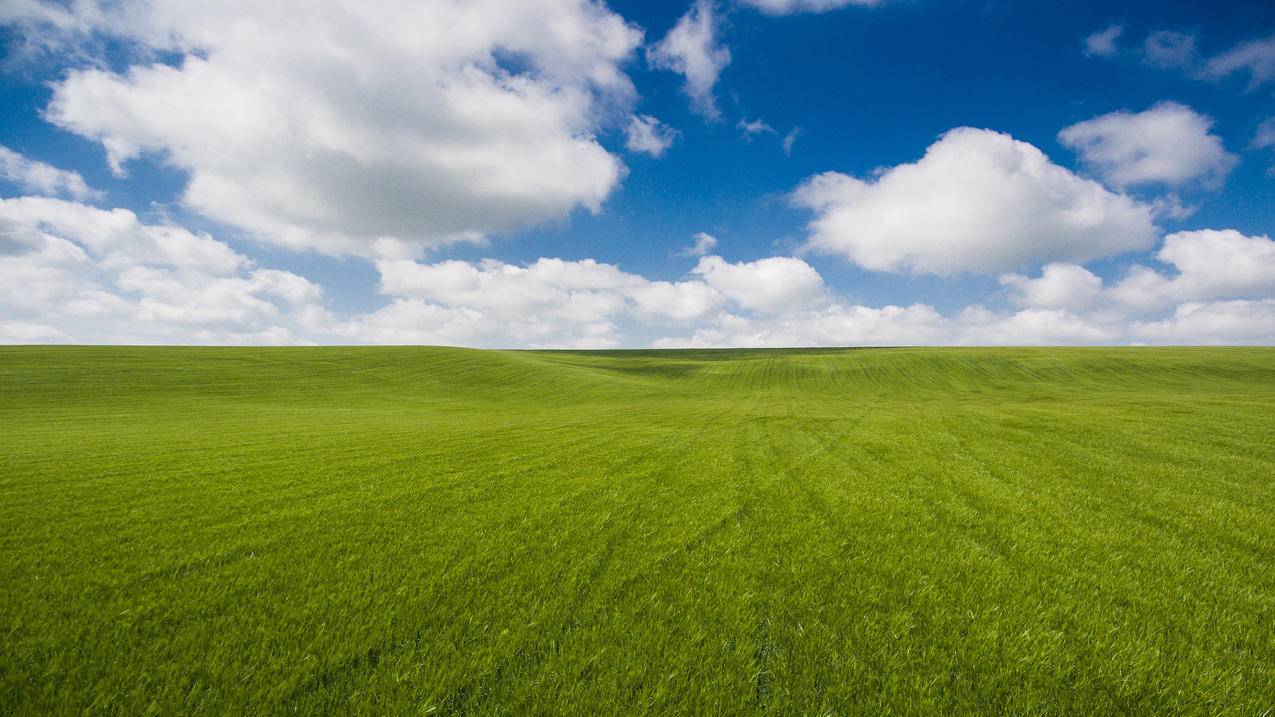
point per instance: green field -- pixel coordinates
(404, 530)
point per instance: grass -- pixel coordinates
(404, 530)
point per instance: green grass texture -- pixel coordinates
(440, 531)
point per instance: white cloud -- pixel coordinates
(1264, 137)
(752, 128)
(684, 301)
(1059, 286)
(789, 7)
(69, 272)
(844, 324)
(550, 291)
(551, 302)
(1211, 264)
(20, 332)
(1172, 207)
(1166, 144)
(978, 201)
(1215, 322)
(1257, 57)
(1103, 42)
(1168, 50)
(775, 301)
(790, 139)
(704, 243)
(647, 134)
(99, 275)
(1039, 326)
(836, 324)
(330, 125)
(771, 285)
(692, 49)
(41, 178)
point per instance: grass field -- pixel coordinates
(403, 530)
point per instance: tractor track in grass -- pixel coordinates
(524, 659)
(463, 698)
(798, 476)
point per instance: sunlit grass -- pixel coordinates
(249, 531)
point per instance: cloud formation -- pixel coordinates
(1255, 57)
(41, 178)
(553, 302)
(692, 49)
(773, 285)
(1059, 286)
(1168, 144)
(1264, 137)
(328, 125)
(704, 243)
(978, 201)
(752, 128)
(790, 139)
(648, 135)
(1173, 50)
(69, 271)
(1211, 264)
(1103, 42)
(72, 272)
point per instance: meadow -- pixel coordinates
(430, 530)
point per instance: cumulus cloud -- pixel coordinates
(89, 274)
(489, 303)
(978, 201)
(71, 272)
(41, 178)
(1256, 57)
(330, 125)
(789, 7)
(1211, 264)
(845, 324)
(1046, 327)
(837, 324)
(693, 50)
(775, 301)
(770, 285)
(1214, 322)
(554, 302)
(1103, 42)
(704, 243)
(648, 135)
(1058, 286)
(1166, 144)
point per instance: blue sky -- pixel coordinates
(442, 173)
